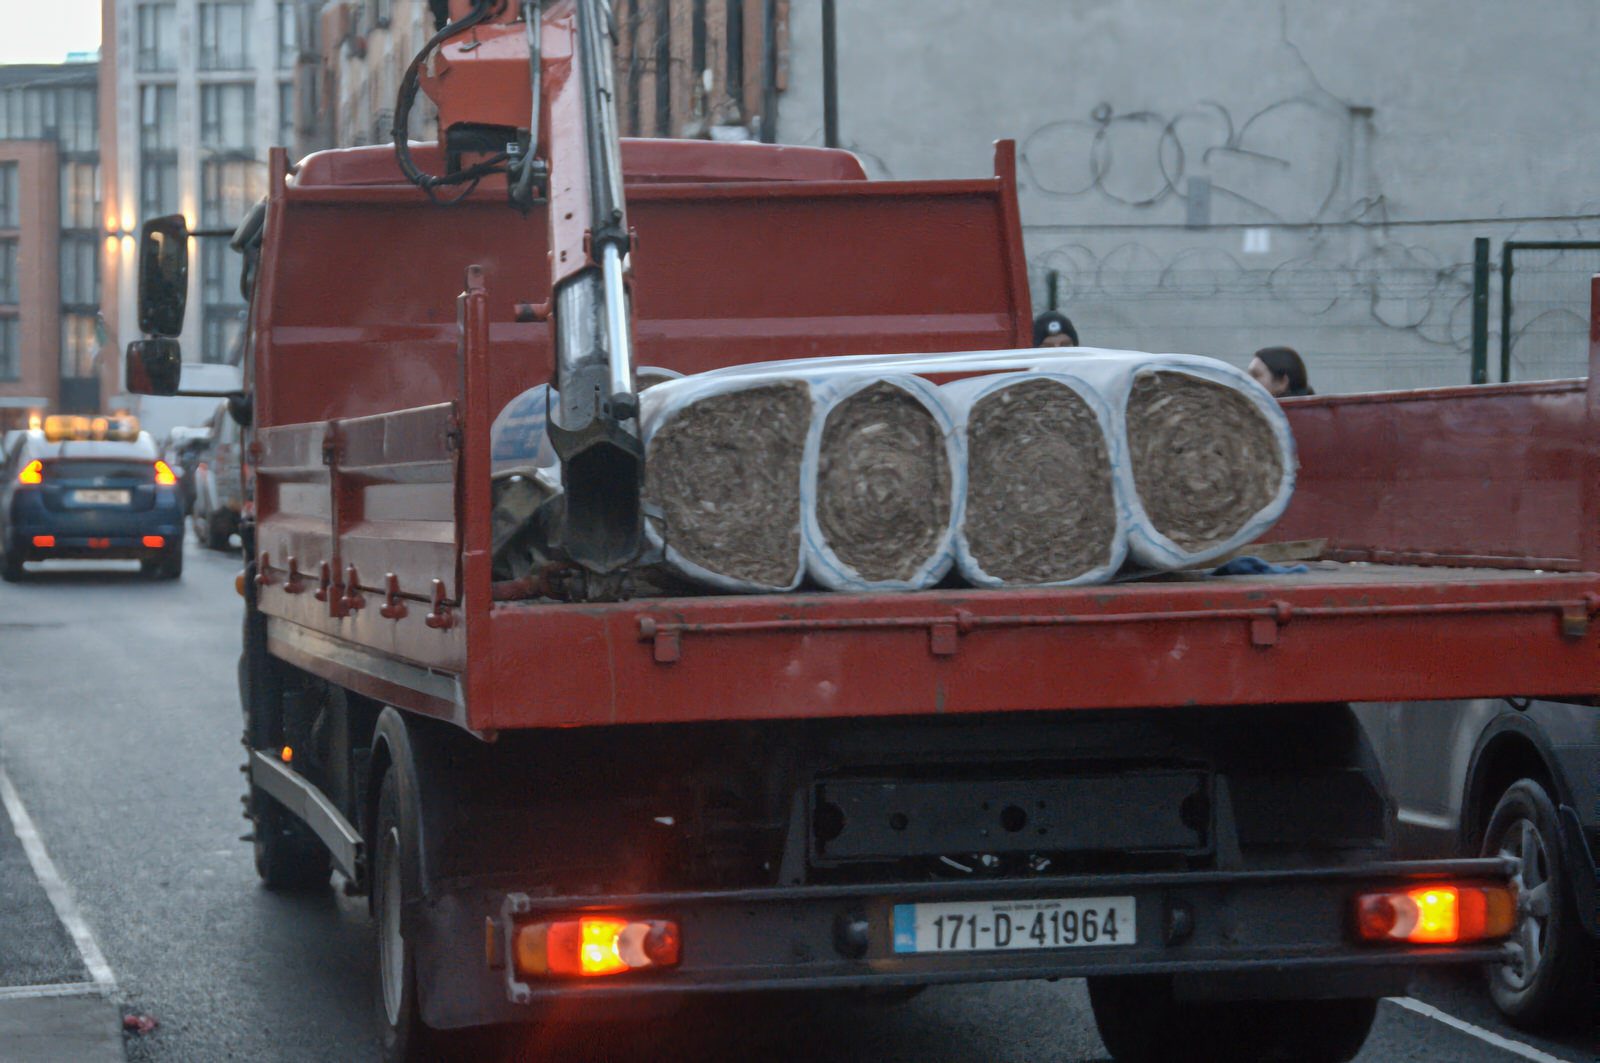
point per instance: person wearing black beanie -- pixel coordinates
(1054, 329)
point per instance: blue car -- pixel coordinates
(88, 498)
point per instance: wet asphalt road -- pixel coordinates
(119, 726)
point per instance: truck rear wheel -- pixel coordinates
(396, 879)
(1140, 1022)
(1552, 975)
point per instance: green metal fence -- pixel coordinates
(1544, 308)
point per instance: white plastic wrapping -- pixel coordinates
(823, 562)
(658, 407)
(963, 396)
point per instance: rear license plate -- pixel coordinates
(101, 498)
(999, 926)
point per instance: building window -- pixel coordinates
(10, 356)
(80, 195)
(8, 273)
(77, 345)
(227, 118)
(223, 40)
(158, 146)
(8, 195)
(228, 189)
(288, 35)
(80, 272)
(77, 119)
(158, 37)
(286, 116)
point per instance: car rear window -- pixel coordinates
(85, 469)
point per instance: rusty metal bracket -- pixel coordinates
(353, 599)
(394, 607)
(440, 617)
(264, 570)
(1264, 629)
(295, 584)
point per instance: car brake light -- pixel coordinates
(165, 476)
(1436, 915)
(44, 541)
(594, 946)
(32, 473)
(154, 542)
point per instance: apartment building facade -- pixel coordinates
(195, 92)
(50, 241)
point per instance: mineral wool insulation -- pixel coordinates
(722, 479)
(1041, 503)
(882, 471)
(1205, 461)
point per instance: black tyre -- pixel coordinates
(217, 531)
(396, 879)
(1552, 976)
(1140, 1022)
(289, 858)
(10, 567)
(167, 565)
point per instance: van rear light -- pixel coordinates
(154, 542)
(165, 477)
(32, 473)
(99, 544)
(44, 542)
(1436, 915)
(595, 946)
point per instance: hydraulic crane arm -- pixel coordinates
(527, 89)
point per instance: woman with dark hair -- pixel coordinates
(1281, 371)
(1054, 329)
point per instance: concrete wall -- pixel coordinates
(1338, 160)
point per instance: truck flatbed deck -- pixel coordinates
(1340, 632)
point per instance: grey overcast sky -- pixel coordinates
(46, 32)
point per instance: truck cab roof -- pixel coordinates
(644, 161)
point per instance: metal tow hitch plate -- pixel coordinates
(990, 926)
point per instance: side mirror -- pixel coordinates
(153, 367)
(163, 276)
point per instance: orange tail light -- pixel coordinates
(154, 542)
(1436, 915)
(165, 476)
(594, 946)
(44, 541)
(32, 473)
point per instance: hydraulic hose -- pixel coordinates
(407, 98)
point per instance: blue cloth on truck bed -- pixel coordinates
(1254, 566)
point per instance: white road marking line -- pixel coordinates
(55, 887)
(1516, 1048)
(33, 992)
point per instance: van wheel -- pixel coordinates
(1140, 1022)
(396, 878)
(10, 568)
(1546, 984)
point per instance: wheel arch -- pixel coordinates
(1511, 748)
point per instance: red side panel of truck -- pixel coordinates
(376, 388)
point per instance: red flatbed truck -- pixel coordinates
(1156, 785)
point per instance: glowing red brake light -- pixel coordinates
(32, 473)
(1436, 915)
(44, 542)
(595, 946)
(165, 476)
